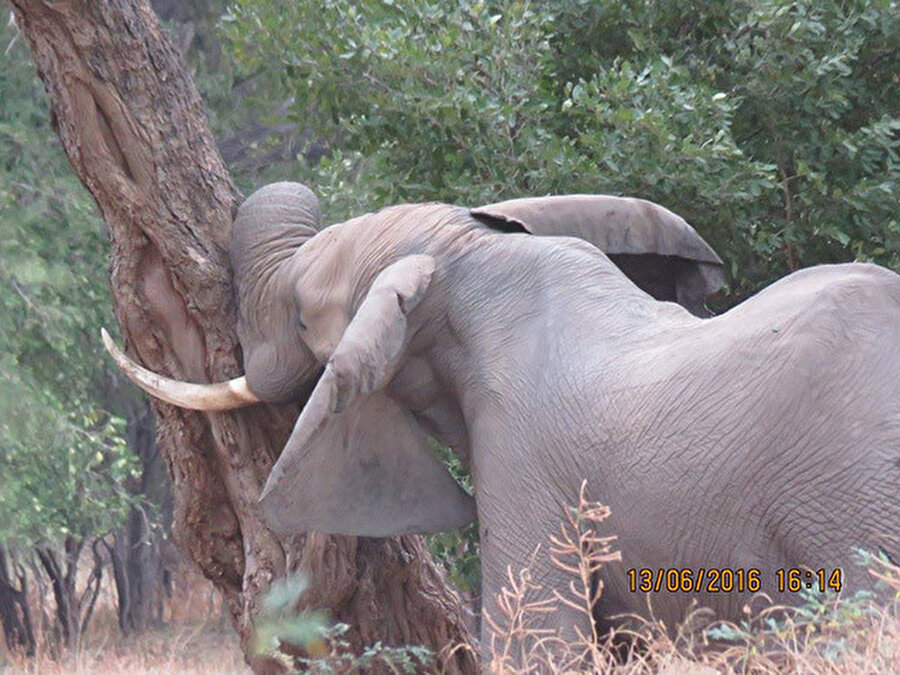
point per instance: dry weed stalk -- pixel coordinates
(517, 644)
(886, 572)
(515, 639)
(581, 552)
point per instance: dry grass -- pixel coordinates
(827, 635)
(201, 650)
(197, 638)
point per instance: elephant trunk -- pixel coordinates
(220, 396)
(271, 226)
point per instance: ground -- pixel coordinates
(197, 638)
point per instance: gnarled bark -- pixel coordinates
(133, 127)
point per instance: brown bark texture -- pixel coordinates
(15, 612)
(134, 129)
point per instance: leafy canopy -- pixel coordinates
(771, 125)
(63, 460)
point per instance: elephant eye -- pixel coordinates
(300, 324)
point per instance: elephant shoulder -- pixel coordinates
(854, 295)
(825, 319)
(841, 292)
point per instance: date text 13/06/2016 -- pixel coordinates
(732, 580)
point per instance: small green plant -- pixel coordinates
(280, 624)
(458, 551)
(279, 621)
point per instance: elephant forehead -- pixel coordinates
(407, 228)
(333, 272)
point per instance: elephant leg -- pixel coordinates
(516, 570)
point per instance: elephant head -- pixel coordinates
(339, 301)
(271, 225)
(270, 228)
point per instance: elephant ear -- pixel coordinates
(357, 462)
(654, 247)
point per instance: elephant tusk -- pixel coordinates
(219, 396)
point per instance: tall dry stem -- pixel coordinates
(518, 645)
(581, 552)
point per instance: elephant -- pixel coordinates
(766, 438)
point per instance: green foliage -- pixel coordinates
(655, 132)
(62, 472)
(279, 622)
(812, 88)
(442, 99)
(768, 124)
(818, 81)
(63, 461)
(457, 551)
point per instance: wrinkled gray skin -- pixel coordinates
(767, 437)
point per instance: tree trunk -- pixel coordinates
(133, 127)
(140, 570)
(15, 612)
(63, 594)
(73, 611)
